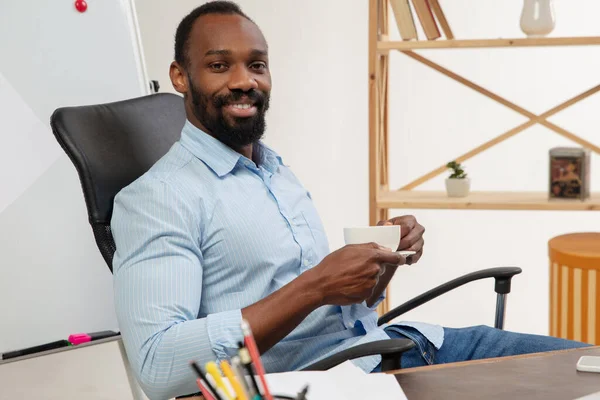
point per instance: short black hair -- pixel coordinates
(182, 35)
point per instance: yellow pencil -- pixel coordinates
(237, 387)
(213, 370)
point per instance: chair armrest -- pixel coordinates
(502, 275)
(391, 350)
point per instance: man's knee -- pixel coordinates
(482, 331)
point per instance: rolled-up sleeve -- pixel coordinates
(158, 290)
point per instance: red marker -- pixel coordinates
(79, 338)
(255, 355)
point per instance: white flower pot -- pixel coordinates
(537, 17)
(458, 187)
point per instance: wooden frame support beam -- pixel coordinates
(533, 118)
(373, 117)
(378, 116)
(378, 108)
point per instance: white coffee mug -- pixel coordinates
(386, 236)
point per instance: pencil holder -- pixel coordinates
(275, 397)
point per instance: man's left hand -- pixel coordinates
(411, 236)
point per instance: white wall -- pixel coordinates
(318, 117)
(53, 279)
(319, 121)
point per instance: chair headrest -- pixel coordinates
(113, 144)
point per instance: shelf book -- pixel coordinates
(409, 13)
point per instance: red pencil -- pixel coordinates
(255, 355)
(205, 392)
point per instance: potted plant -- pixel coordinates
(457, 184)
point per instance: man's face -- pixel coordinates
(228, 81)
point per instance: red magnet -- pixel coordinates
(81, 5)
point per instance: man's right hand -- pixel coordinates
(349, 275)
(346, 276)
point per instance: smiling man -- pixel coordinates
(232, 110)
(220, 229)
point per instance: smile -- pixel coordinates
(242, 106)
(241, 110)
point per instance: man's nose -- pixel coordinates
(242, 79)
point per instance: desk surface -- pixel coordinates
(545, 376)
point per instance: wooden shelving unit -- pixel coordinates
(382, 197)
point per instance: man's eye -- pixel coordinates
(259, 66)
(218, 67)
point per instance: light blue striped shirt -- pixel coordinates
(204, 234)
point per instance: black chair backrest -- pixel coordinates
(113, 144)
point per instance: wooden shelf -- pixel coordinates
(381, 200)
(386, 46)
(483, 201)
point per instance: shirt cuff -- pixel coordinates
(379, 299)
(224, 332)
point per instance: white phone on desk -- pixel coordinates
(589, 364)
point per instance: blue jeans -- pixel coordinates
(472, 343)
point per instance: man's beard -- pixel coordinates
(244, 131)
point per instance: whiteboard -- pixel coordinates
(53, 279)
(91, 371)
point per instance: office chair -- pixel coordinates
(113, 144)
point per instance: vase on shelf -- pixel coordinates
(537, 17)
(458, 187)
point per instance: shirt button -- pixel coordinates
(306, 263)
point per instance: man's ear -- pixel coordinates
(178, 78)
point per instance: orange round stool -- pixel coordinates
(575, 287)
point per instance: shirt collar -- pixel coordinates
(219, 157)
(270, 159)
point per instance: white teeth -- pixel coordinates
(242, 106)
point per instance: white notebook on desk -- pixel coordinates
(346, 381)
(593, 396)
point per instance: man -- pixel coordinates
(220, 229)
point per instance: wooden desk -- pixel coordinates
(544, 376)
